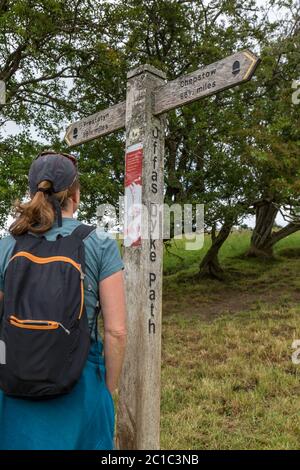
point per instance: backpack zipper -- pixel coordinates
(64, 328)
(37, 324)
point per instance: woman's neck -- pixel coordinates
(68, 210)
(67, 214)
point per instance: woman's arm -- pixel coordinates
(112, 298)
(1, 296)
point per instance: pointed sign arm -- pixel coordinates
(209, 80)
(97, 125)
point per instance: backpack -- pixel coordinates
(44, 325)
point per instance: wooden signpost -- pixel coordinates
(148, 98)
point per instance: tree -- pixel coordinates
(44, 45)
(16, 155)
(273, 135)
(46, 49)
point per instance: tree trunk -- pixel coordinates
(261, 240)
(210, 265)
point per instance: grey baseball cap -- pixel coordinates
(59, 169)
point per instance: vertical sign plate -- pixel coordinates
(133, 195)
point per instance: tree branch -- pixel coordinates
(284, 232)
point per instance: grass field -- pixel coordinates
(228, 381)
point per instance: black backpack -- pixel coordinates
(44, 325)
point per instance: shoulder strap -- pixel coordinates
(83, 231)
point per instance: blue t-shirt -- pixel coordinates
(102, 259)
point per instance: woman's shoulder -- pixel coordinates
(6, 248)
(103, 251)
(102, 242)
(101, 238)
(7, 243)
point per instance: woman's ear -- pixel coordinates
(76, 200)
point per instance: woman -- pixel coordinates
(85, 417)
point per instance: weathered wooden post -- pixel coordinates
(139, 396)
(148, 98)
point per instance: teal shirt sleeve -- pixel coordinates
(6, 247)
(110, 258)
(1, 279)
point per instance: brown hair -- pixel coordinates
(37, 215)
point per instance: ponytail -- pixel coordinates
(38, 215)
